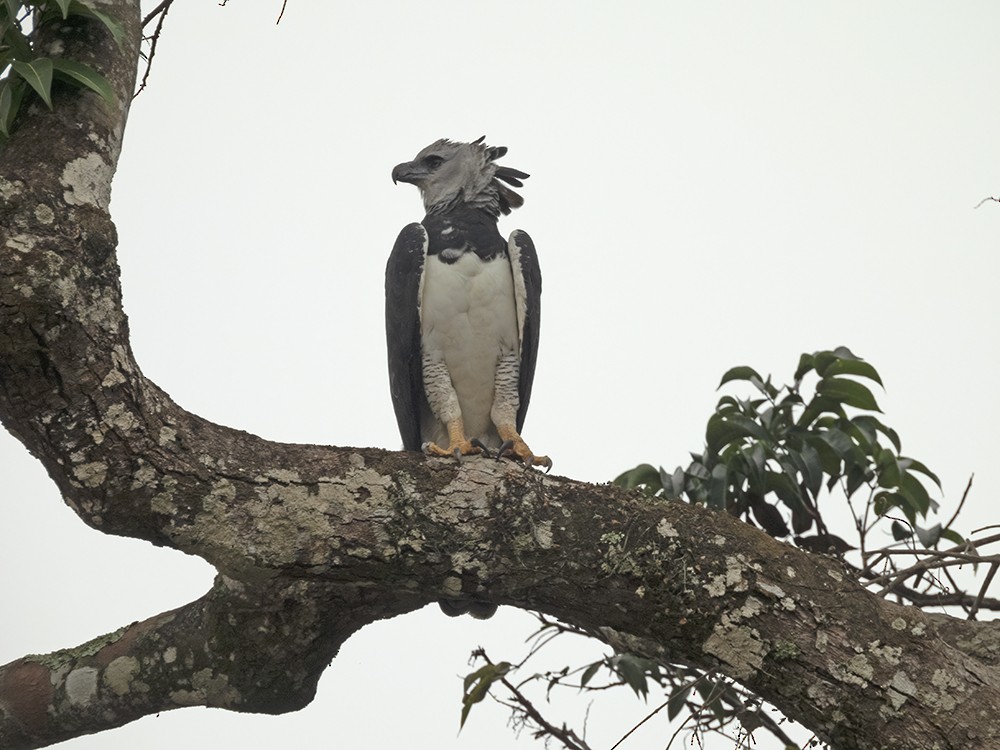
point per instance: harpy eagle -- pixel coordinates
(462, 308)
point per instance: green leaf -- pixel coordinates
(589, 673)
(856, 476)
(13, 8)
(631, 670)
(64, 7)
(78, 8)
(38, 74)
(87, 76)
(817, 406)
(825, 360)
(726, 404)
(7, 109)
(845, 448)
(848, 392)
(698, 470)
(723, 430)
(808, 462)
(885, 501)
(870, 423)
(887, 468)
(14, 38)
(751, 461)
(677, 701)
(863, 433)
(768, 388)
(852, 367)
(929, 537)
(740, 373)
(783, 486)
(915, 493)
(953, 536)
(844, 353)
(802, 519)
(822, 360)
(768, 517)
(477, 686)
(717, 487)
(643, 475)
(828, 457)
(915, 465)
(806, 364)
(900, 532)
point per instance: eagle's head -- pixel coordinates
(449, 174)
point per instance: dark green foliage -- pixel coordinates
(22, 70)
(770, 456)
(773, 457)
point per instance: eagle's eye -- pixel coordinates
(433, 161)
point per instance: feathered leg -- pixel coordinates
(504, 414)
(444, 403)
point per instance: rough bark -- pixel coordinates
(314, 542)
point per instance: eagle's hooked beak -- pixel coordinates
(409, 172)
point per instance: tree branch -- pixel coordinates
(223, 650)
(314, 542)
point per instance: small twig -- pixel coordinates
(982, 591)
(160, 10)
(957, 598)
(956, 552)
(540, 643)
(773, 727)
(960, 502)
(565, 735)
(649, 716)
(941, 554)
(680, 728)
(990, 198)
(956, 587)
(925, 565)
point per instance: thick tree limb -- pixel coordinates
(220, 651)
(314, 542)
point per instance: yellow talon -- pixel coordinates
(514, 445)
(458, 444)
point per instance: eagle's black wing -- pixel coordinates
(528, 298)
(402, 330)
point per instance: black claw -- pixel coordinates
(505, 446)
(458, 455)
(479, 444)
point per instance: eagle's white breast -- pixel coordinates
(468, 320)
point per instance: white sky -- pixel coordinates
(712, 184)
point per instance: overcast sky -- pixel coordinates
(713, 184)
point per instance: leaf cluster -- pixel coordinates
(718, 696)
(712, 702)
(770, 455)
(774, 456)
(23, 69)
